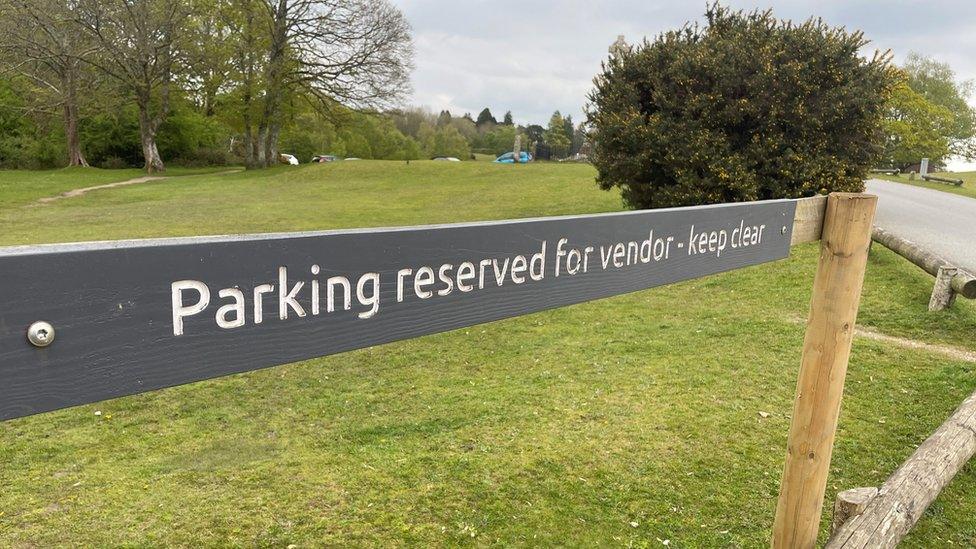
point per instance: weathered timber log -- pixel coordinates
(849, 504)
(943, 296)
(956, 182)
(905, 496)
(963, 282)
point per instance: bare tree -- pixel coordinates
(354, 52)
(138, 48)
(39, 41)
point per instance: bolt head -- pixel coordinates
(40, 334)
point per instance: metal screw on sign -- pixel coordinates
(40, 334)
(783, 230)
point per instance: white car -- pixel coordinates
(446, 159)
(287, 159)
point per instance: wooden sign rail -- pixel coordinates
(85, 322)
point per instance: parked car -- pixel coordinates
(320, 158)
(353, 158)
(509, 158)
(287, 159)
(446, 159)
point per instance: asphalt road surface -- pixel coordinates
(942, 223)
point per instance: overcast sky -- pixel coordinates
(533, 57)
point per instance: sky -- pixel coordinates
(533, 56)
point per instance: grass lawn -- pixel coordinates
(20, 187)
(626, 421)
(968, 187)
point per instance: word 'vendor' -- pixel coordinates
(316, 295)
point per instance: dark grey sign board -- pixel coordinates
(134, 316)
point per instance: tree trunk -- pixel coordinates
(154, 163)
(147, 134)
(274, 76)
(70, 112)
(262, 151)
(272, 145)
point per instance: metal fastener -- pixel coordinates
(783, 230)
(40, 334)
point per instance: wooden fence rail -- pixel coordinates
(891, 512)
(950, 280)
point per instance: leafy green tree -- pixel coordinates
(915, 129)
(444, 141)
(555, 136)
(936, 83)
(485, 118)
(568, 128)
(500, 140)
(745, 107)
(40, 41)
(444, 118)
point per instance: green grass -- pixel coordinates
(968, 187)
(314, 196)
(20, 187)
(625, 421)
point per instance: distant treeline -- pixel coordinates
(191, 137)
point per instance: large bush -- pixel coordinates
(745, 107)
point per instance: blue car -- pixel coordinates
(509, 158)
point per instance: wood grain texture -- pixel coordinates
(849, 504)
(907, 493)
(112, 308)
(809, 219)
(826, 350)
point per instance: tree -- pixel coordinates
(138, 49)
(444, 141)
(38, 40)
(508, 121)
(535, 133)
(409, 121)
(568, 128)
(356, 53)
(209, 41)
(500, 140)
(915, 129)
(744, 108)
(444, 118)
(555, 136)
(486, 119)
(936, 83)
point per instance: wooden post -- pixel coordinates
(826, 349)
(943, 296)
(849, 504)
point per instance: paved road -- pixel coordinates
(941, 222)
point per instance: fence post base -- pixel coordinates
(943, 295)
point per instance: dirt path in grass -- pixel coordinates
(134, 181)
(955, 353)
(946, 350)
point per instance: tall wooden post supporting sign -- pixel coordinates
(826, 349)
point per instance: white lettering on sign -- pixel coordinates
(301, 297)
